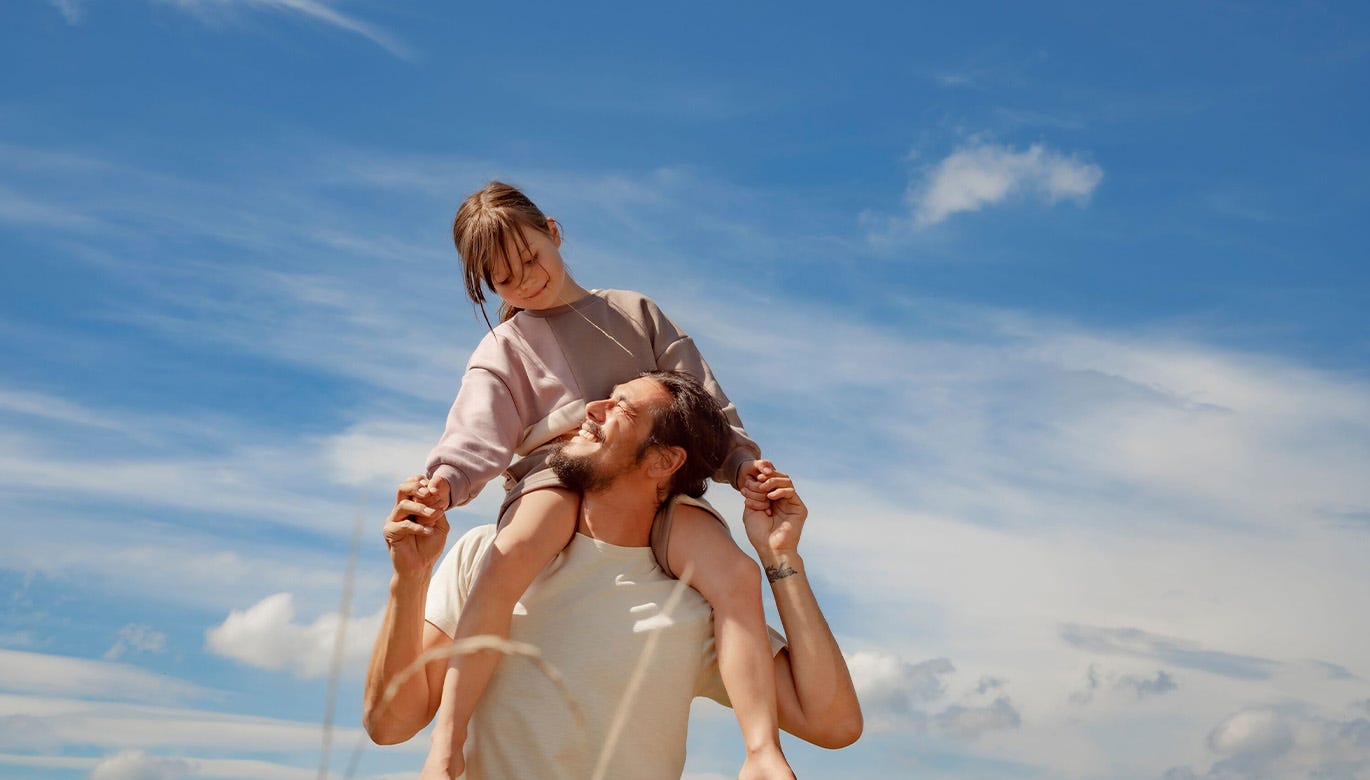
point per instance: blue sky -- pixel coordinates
(1056, 312)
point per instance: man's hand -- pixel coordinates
(774, 515)
(414, 532)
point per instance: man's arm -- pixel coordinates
(415, 535)
(814, 691)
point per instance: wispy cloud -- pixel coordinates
(1149, 686)
(314, 10)
(139, 765)
(983, 174)
(56, 675)
(121, 726)
(1177, 652)
(22, 210)
(55, 408)
(129, 558)
(71, 10)
(138, 639)
(969, 722)
(1140, 686)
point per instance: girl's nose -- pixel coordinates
(530, 281)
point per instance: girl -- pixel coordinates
(525, 389)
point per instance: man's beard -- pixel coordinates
(577, 472)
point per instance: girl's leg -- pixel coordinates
(731, 581)
(539, 524)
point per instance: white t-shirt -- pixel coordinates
(591, 613)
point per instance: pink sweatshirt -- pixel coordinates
(529, 380)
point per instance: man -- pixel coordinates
(599, 608)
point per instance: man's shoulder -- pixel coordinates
(467, 550)
(476, 539)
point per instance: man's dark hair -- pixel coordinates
(694, 422)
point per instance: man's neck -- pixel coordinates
(620, 514)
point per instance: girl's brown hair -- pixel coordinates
(487, 221)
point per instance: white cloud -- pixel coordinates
(897, 695)
(984, 174)
(137, 765)
(66, 676)
(266, 636)
(1286, 741)
(138, 638)
(893, 692)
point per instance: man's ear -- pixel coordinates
(665, 460)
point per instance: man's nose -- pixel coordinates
(595, 409)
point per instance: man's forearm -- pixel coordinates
(398, 646)
(829, 713)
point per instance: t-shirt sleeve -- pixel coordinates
(677, 351)
(451, 581)
(710, 684)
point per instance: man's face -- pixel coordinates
(612, 438)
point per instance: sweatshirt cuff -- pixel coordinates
(730, 466)
(456, 484)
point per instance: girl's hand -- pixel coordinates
(749, 476)
(775, 515)
(434, 493)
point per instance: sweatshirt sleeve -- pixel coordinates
(677, 351)
(483, 430)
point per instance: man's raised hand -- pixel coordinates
(774, 514)
(414, 532)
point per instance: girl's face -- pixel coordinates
(533, 276)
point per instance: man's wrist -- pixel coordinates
(780, 566)
(408, 583)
